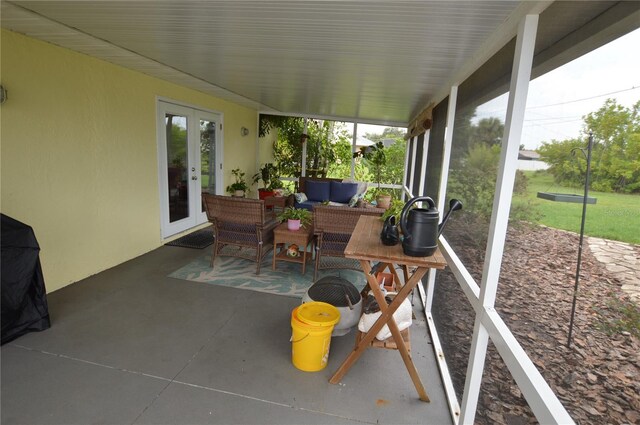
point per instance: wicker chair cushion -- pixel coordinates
(342, 192)
(317, 191)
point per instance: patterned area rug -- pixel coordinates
(235, 272)
(197, 240)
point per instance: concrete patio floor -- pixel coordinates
(132, 346)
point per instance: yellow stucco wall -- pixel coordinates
(79, 154)
(265, 147)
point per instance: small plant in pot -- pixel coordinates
(383, 199)
(239, 187)
(295, 217)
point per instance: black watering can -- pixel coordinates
(420, 226)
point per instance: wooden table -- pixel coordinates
(301, 237)
(365, 246)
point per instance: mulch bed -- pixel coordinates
(597, 379)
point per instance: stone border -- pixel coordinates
(622, 260)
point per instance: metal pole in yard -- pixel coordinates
(584, 214)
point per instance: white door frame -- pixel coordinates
(193, 114)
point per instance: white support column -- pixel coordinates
(475, 368)
(412, 176)
(353, 150)
(303, 170)
(423, 165)
(446, 150)
(406, 166)
(442, 188)
(425, 294)
(539, 395)
(520, 76)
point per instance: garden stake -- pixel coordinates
(584, 213)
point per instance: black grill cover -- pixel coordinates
(334, 290)
(24, 298)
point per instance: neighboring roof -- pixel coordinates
(529, 155)
(376, 62)
(362, 141)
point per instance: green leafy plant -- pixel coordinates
(240, 182)
(395, 209)
(376, 157)
(292, 136)
(616, 149)
(276, 183)
(301, 214)
(267, 173)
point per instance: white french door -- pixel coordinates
(189, 164)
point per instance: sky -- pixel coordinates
(559, 99)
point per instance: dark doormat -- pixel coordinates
(198, 239)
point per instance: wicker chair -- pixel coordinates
(333, 227)
(242, 223)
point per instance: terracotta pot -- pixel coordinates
(293, 224)
(384, 201)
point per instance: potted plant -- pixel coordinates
(267, 173)
(295, 217)
(394, 210)
(239, 187)
(376, 156)
(277, 187)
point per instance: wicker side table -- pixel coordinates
(283, 236)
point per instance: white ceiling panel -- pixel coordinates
(376, 61)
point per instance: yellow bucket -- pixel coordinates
(312, 324)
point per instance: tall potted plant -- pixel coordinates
(267, 173)
(376, 156)
(277, 187)
(239, 187)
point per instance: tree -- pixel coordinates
(462, 130)
(474, 170)
(394, 171)
(288, 146)
(488, 131)
(394, 133)
(616, 150)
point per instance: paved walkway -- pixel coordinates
(621, 259)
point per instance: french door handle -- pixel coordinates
(194, 177)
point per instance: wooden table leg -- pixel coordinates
(385, 318)
(304, 258)
(275, 249)
(396, 279)
(366, 339)
(395, 331)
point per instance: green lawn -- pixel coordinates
(614, 216)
